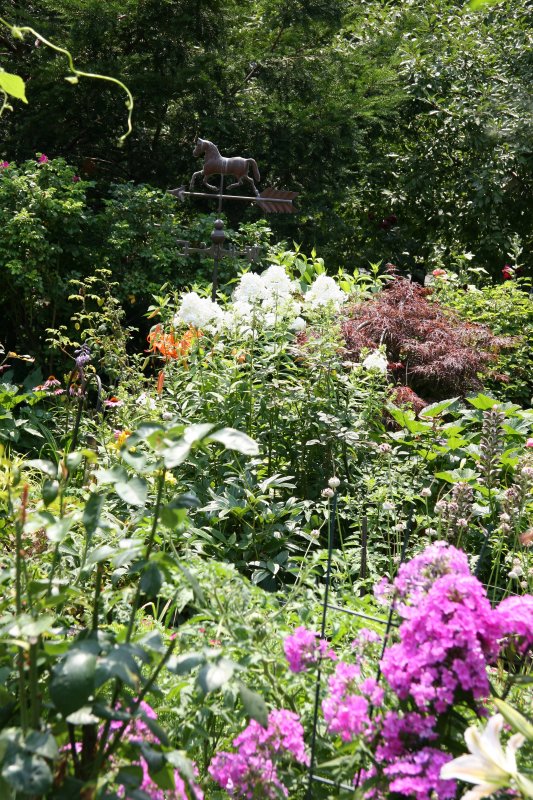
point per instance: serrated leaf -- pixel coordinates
(434, 409)
(482, 402)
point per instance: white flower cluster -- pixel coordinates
(324, 291)
(261, 300)
(200, 312)
(376, 360)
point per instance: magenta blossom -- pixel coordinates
(514, 617)
(43, 159)
(252, 771)
(345, 710)
(302, 649)
(4, 164)
(529, 442)
(75, 178)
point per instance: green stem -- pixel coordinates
(151, 539)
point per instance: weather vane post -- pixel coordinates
(269, 200)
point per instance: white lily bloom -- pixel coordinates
(488, 766)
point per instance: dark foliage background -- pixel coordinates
(406, 127)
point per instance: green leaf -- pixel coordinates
(113, 475)
(73, 681)
(13, 85)
(254, 705)
(73, 461)
(517, 722)
(233, 439)
(118, 663)
(27, 773)
(50, 491)
(58, 531)
(482, 402)
(134, 492)
(92, 511)
(435, 409)
(183, 664)
(151, 580)
(176, 455)
(42, 744)
(213, 676)
(42, 465)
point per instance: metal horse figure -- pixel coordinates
(215, 164)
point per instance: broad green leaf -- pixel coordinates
(50, 491)
(435, 409)
(183, 664)
(42, 744)
(42, 465)
(27, 773)
(151, 580)
(73, 681)
(134, 492)
(118, 663)
(176, 454)
(233, 439)
(57, 532)
(13, 85)
(115, 474)
(213, 676)
(482, 402)
(254, 705)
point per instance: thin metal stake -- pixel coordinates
(331, 535)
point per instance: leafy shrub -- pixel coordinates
(507, 309)
(431, 351)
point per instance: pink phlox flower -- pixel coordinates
(446, 642)
(403, 733)
(514, 617)
(302, 649)
(371, 689)
(417, 776)
(4, 164)
(43, 159)
(529, 442)
(345, 710)
(252, 768)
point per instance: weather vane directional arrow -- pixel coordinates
(269, 200)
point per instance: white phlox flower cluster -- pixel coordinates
(324, 291)
(376, 360)
(200, 312)
(261, 301)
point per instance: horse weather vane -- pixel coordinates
(269, 200)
